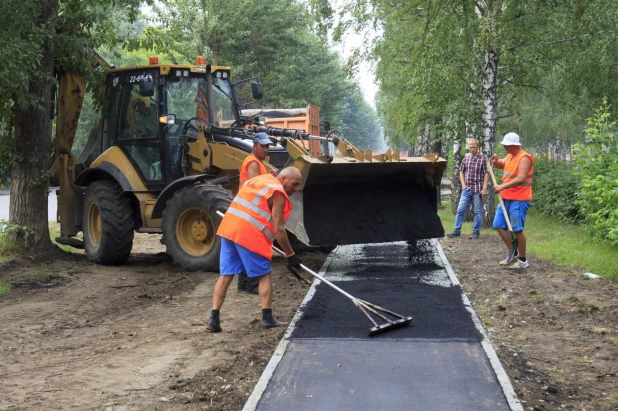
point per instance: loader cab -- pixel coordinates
(137, 98)
(131, 123)
(193, 103)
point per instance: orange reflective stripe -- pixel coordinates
(253, 221)
(248, 221)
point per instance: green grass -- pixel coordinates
(10, 250)
(4, 288)
(54, 231)
(553, 240)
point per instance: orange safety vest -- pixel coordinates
(248, 221)
(244, 175)
(522, 192)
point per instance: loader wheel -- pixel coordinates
(190, 224)
(107, 223)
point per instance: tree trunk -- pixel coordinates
(436, 147)
(489, 94)
(29, 179)
(423, 145)
(455, 182)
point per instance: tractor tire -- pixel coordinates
(190, 223)
(107, 223)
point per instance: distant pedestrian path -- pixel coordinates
(52, 207)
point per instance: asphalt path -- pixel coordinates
(443, 360)
(5, 199)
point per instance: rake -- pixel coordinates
(513, 251)
(397, 320)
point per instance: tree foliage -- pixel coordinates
(555, 189)
(597, 169)
(36, 38)
(276, 42)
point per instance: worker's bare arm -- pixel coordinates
(253, 170)
(278, 203)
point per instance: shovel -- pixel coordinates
(513, 251)
(396, 320)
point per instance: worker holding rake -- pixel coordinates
(253, 221)
(516, 194)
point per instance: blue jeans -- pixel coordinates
(466, 196)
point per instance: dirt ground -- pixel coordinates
(556, 333)
(80, 336)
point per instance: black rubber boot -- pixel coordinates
(253, 285)
(268, 321)
(248, 284)
(242, 281)
(213, 326)
(272, 324)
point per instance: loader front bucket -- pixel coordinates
(351, 202)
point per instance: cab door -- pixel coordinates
(138, 133)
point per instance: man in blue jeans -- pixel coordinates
(474, 177)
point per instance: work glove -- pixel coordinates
(293, 260)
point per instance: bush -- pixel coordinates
(555, 189)
(597, 169)
(14, 238)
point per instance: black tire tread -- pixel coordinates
(116, 223)
(209, 198)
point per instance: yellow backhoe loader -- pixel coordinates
(166, 158)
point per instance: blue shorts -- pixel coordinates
(236, 259)
(516, 210)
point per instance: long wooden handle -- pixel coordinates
(490, 168)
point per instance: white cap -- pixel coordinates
(511, 139)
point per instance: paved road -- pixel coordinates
(5, 199)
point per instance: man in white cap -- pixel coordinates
(516, 191)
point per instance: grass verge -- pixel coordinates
(54, 231)
(553, 240)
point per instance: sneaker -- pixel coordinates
(213, 326)
(272, 324)
(506, 260)
(518, 264)
(474, 235)
(455, 233)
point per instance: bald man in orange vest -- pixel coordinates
(253, 221)
(251, 167)
(516, 191)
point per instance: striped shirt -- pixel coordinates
(474, 169)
